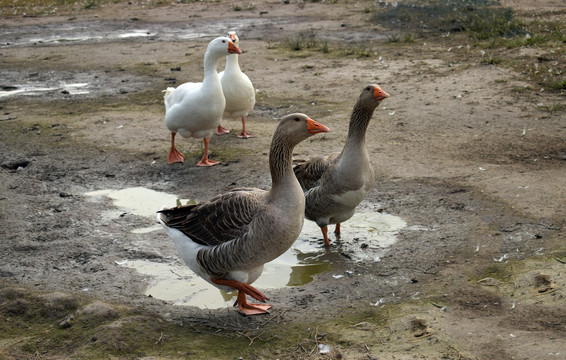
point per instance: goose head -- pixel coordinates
(298, 127)
(235, 39)
(372, 95)
(222, 46)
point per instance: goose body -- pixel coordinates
(195, 109)
(238, 91)
(334, 185)
(228, 239)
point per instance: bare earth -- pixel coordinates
(474, 165)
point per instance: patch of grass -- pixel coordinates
(492, 61)
(480, 19)
(307, 41)
(59, 326)
(527, 40)
(556, 83)
(489, 22)
(489, 26)
(248, 7)
(554, 107)
(546, 72)
(91, 4)
(393, 39)
(295, 44)
(552, 31)
(409, 38)
(302, 42)
(501, 272)
(45, 7)
(324, 48)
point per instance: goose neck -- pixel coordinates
(232, 62)
(359, 122)
(280, 161)
(210, 65)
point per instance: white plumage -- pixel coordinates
(238, 91)
(195, 109)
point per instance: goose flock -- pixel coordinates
(195, 109)
(228, 239)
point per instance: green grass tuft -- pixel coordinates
(480, 19)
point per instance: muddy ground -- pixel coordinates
(470, 153)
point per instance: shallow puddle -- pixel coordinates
(70, 89)
(365, 237)
(100, 31)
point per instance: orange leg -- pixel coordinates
(221, 130)
(337, 229)
(325, 235)
(244, 289)
(205, 161)
(174, 154)
(244, 134)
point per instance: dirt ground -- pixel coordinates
(473, 162)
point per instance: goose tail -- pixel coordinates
(167, 97)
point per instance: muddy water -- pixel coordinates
(39, 88)
(34, 83)
(365, 237)
(112, 31)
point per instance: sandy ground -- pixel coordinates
(475, 166)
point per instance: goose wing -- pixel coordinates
(222, 219)
(310, 172)
(175, 95)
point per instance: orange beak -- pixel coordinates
(314, 127)
(379, 94)
(233, 49)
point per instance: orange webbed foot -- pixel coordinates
(253, 309)
(221, 130)
(248, 309)
(245, 135)
(207, 162)
(175, 156)
(244, 289)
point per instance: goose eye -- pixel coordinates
(223, 41)
(297, 119)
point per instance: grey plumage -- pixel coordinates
(230, 237)
(335, 184)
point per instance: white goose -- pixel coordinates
(227, 240)
(238, 91)
(195, 109)
(334, 185)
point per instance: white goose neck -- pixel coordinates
(232, 63)
(210, 67)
